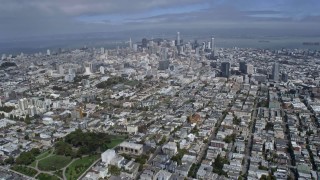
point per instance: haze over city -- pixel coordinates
(160, 89)
(34, 18)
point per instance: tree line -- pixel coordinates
(80, 143)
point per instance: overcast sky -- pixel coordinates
(25, 18)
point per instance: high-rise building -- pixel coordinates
(212, 43)
(163, 65)
(135, 47)
(32, 111)
(178, 38)
(85, 82)
(203, 46)
(250, 69)
(102, 50)
(284, 77)
(48, 52)
(87, 68)
(243, 67)
(275, 71)
(225, 69)
(69, 77)
(61, 70)
(209, 45)
(164, 54)
(197, 51)
(101, 69)
(72, 71)
(144, 43)
(130, 43)
(23, 104)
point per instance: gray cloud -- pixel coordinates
(81, 7)
(44, 17)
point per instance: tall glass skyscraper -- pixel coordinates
(225, 69)
(275, 71)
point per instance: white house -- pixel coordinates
(107, 156)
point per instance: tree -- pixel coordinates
(195, 130)
(7, 109)
(230, 138)
(35, 151)
(28, 117)
(218, 165)
(87, 142)
(178, 157)
(9, 160)
(26, 137)
(193, 170)
(263, 168)
(27, 121)
(163, 140)
(263, 177)
(142, 159)
(269, 126)
(25, 158)
(236, 121)
(114, 170)
(8, 64)
(63, 148)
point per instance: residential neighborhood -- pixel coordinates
(160, 110)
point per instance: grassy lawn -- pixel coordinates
(79, 166)
(54, 162)
(40, 156)
(43, 154)
(131, 83)
(25, 170)
(33, 164)
(59, 173)
(115, 141)
(43, 176)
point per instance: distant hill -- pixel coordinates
(8, 64)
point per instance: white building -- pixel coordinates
(250, 69)
(135, 47)
(101, 70)
(170, 148)
(132, 129)
(102, 50)
(61, 70)
(23, 104)
(108, 156)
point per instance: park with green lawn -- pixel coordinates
(44, 176)
(54, 162)
(69, 158)
(77, 167)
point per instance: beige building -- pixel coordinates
(131, 148)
